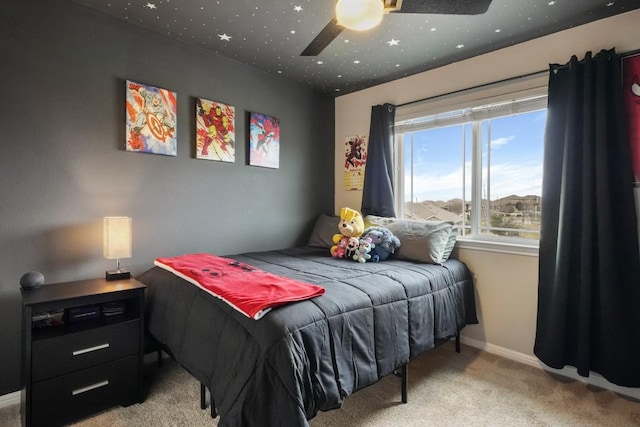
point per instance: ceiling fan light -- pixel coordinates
(359, 14)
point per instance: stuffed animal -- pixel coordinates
(352, 247)
(384, 240)
(364, 249)
(351, 225)
(347, 246)
(341, 248)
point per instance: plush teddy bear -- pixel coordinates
(351, 225)
(384, 240)
(364, 249)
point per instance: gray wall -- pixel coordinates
(63, 166)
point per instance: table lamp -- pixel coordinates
(117, 244)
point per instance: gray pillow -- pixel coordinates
(324, 229)
(424, 241)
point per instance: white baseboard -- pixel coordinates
(10, 399)
(570, 372)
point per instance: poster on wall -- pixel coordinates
(151, 119)
(631, 88)
(215, 131)
(264, 141)
(355, 153)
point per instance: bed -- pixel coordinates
(307, 356)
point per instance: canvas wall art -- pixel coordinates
(631, 87)
(355, 152)
(151, 119)
(215, 131)
(264, 141)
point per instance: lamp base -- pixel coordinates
(117, 275)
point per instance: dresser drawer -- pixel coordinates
(86, 391)
(56, 356)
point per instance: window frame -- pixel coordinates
(504, 91)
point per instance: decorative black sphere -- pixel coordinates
(31, 280)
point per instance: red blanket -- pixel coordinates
(251, 291)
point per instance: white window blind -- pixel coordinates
(466, 115)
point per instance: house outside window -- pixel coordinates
(476, 162)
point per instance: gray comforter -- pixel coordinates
(307, 356)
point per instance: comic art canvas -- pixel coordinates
(215, 131)
(151, 119)
(631, 88)
(264, 140)
(355, 160)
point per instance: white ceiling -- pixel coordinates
(271, 34)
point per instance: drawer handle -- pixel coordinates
(90, 349)
(89, 387)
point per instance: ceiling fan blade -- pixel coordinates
(445, 7)
(324, 37)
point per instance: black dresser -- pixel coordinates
(82, 349)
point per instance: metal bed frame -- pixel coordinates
(401, 372)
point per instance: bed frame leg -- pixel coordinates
(203, 397)
(404, 371)
(214, 412)
(458, 342)
(203, 401)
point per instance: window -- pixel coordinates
(479, 166)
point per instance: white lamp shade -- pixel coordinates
(117, 237)
(359, 14)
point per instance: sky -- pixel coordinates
(515, 159)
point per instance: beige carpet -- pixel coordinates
(473, 388)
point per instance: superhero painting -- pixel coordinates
(215, 131)
(631, 88)
(264, 141)
(355, 153)
(151, 119)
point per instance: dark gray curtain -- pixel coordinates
(377, 193)
(589, 273)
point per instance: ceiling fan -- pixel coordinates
(365, 14)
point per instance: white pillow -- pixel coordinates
(423, 241)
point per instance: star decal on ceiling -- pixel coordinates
(272, 38)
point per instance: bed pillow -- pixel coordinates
(451, 242)
(425, 241)
(324, 229)
(379, 221)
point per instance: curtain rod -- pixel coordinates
(510, 79)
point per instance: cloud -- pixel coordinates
(506, 179)
(432, 186)
(498, 142)
(512, 178)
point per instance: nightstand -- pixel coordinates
(82, 348)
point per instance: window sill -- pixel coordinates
(502, 247)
